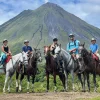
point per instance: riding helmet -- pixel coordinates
(26, 41)
(55, 39)
(70, 35)
(93, 39)
(5, 40)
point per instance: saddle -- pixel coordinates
(95, 57)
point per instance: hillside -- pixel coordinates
(40, 26)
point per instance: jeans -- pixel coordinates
(3, 58)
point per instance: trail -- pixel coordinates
(49, 96)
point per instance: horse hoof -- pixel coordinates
(33, 92)
(9, 91)
(55, 91)
(83, 91)
(17, 89)
(20, 91)
(28, 92)
(46, 91)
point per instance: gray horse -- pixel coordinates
(69, 65)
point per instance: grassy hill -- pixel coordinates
(40, 26)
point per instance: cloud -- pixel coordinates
(46, 1)
(88, 10)
(10, 9)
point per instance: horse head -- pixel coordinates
(57, 51)
(37, 55)
(24, 58)
(46, 50)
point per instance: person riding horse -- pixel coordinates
(27, 48)
(94, 49)
(72, 47)
(52, 48)
(5, 52)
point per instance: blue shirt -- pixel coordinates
(93, 48)
(73, 45)
(26, 48)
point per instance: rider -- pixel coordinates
(94, 47)
(52, 48)
(72, 47)
(5, 52)
(27, 49)
(55, 43)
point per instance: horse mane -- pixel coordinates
(65, 51)
(87, 57)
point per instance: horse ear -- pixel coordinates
(60, 45)
(84, 44)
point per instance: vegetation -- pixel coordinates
(40, 82)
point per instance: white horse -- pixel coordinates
(11, 67)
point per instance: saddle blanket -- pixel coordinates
(95, 57)
(8, 59)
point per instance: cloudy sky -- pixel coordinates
(88, 10)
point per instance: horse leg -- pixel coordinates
(62, 78)
(28, 83)
(84, 79)
(20, 83)
(88, 81)
(47, 74)
(17, 75)
(66, 77)
(6, 79)
(72, 74)
(80, 79)
(82, 82)
(9, 83)
(94, 80)
(33, 77)
(55, 87)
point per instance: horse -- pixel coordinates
(51, 68)
(30, 70)
(69, 65)
(91, 65)
(11, 67)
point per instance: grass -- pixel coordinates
(96, 98)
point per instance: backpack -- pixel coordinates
(74, 43)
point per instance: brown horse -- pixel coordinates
(31, 70)
(91, 66)
(51, 68)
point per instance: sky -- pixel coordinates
(87, 10)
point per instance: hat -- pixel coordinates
(55, 39)
(5, 40)
(93, 39)
(26, 41)
(71, 35)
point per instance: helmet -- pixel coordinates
(26, 41)
(93, 39)
(71, 35)
(5, 40)
(55, 39)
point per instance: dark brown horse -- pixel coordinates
(91, 66)
(52, 68)
(29, 70)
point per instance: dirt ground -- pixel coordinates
(48, 96)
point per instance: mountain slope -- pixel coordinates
(40, 26)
